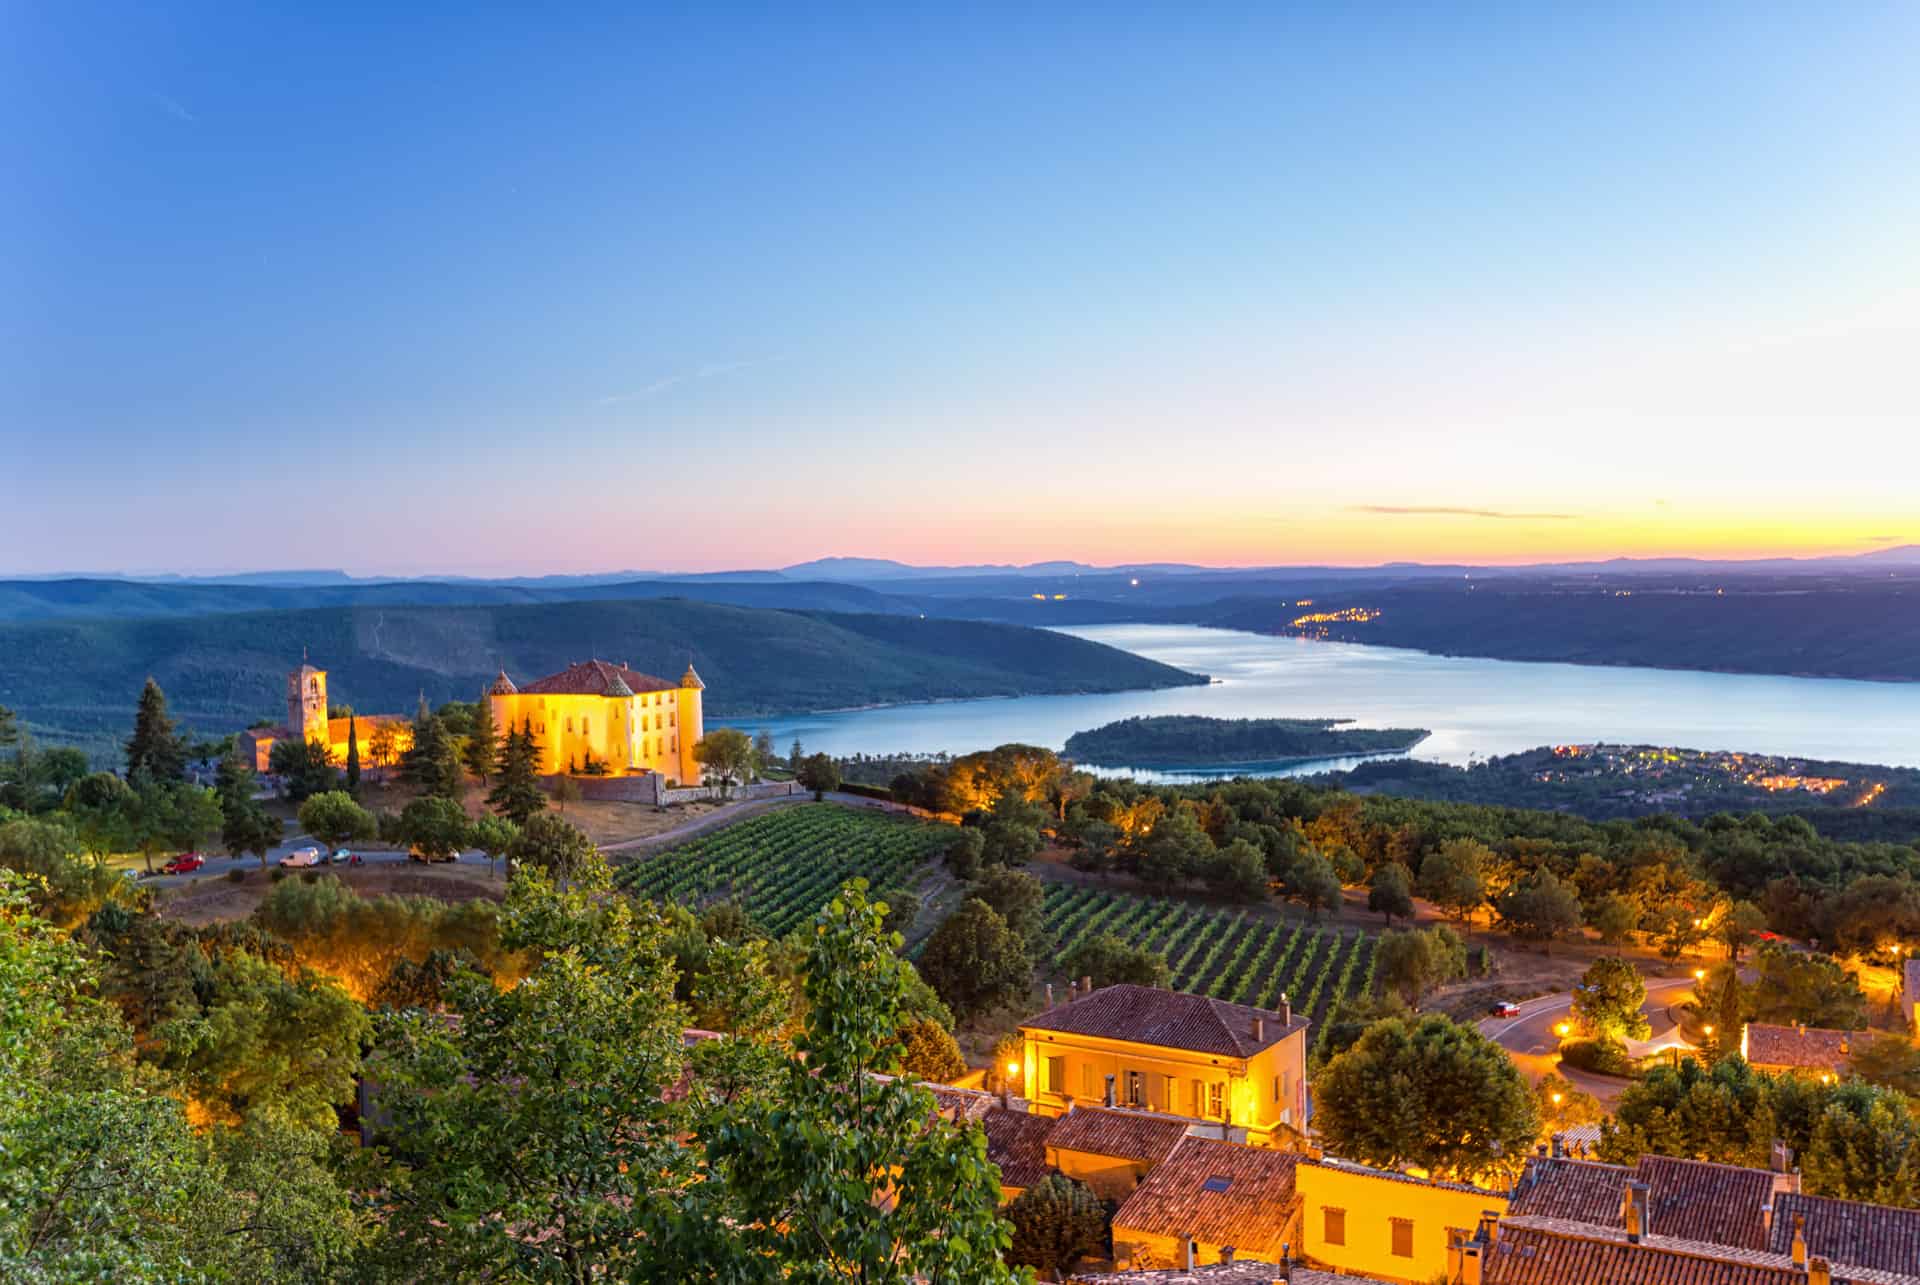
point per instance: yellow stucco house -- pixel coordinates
(1384, 1225)
(1165, 1051)
(607, 714)
(383, 737)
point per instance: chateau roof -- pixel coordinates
(692, 679)
(1017, 1142)
(502, 685)
(1169, 1019)
(1873, 1236)
(1220, 1193)
(596, 678)
(1808, 1047)
(1107, 1131)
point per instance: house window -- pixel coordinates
(583, 726)
(1136, 1089)
(569, 724)
(1056, 1075)
(1276, 1088)
(1335, 1231)
(1199, 1098)
(1402, 1237)
(1217, 1100)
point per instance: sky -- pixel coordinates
(514, 289)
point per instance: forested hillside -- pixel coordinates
(74, 681)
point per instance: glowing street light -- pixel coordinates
(1013, 1070)
(1564, 1030)
(1556, 1099)
(1699, 974)
(1709, 1029)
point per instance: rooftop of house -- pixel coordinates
(1169, 1019)
(594, 678)
(1117, 1131)
(1811, 1048)
(1690, 1199)
(1237, 1273)
(1334, 1164)
(1017, 1143)
(1848, 1231)
(1546, 1251)
(1217, 1193)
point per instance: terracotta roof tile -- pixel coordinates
(1219, 1193)
(1337, 1165)
(1698, 1200)
(1238, 1273)
(595, 678)
(1110, 1131)
(1809, 1047)
(1017, 1142)
(1584, 1191)
(1169, 1019)
(1535, 1252)
(1849, 1232)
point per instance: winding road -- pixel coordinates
(1532, 1041)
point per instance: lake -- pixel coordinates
(1475, 708)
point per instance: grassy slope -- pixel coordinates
(77, 680)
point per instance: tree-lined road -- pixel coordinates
(1533, 1042)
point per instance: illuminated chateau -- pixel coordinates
(383, 737)
(600, 713)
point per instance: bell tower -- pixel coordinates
(307, 703)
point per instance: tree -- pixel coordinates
(1889, 1059)
(1426, 1091)
(963, 854)
(432, 766)
(1540, 909)
(353, 755)
(423, 985)
(1562, 1106)
(1056, 1223)
(155, 750)
(550, 844)
(1018, 898)
(1413, 961)
(1873, 915)
(794, 755)
(1615, 918)
(1238, 872)
(1609, 1003)
(1813, 989)
(483, 741)
(1736, 929)
(1390, 892)
(516, 790)
(335, 819)
(818, 773)
(173, 815)
(305, 768)
(975, 962)
(434, 828)
(1454, 877)
(804, 1184)
(1311, 880)
(1109, 961)
(245, 826)
(383, 747)
(929, 1052)
(1012, 833)
(1351, 1018)
(493, 836)
(98, 805)
(763, 751)
(727, 755)
(565, 790)
(1175, 851)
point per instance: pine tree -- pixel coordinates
(155, 748)
(353, 755)
(432, 766)
(516, 790)
(483, 745)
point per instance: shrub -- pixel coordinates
(1602, 1057)
(236, 875)
(278, 875)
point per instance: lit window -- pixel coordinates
(1402, 1237)
(1335, 1231)
(1136, 1089)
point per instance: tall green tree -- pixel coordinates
(353, 755)
(1610, 1000)
(434, 827)
(727, 755)
(156, 749)
(335, 819)
(483, 741)
(516, 789)
(432, 765)
(1109, 961)
(173, 815)
(305, 768)
(245, 826)
(1792, 986)
(1411, 962)
(818, 773)
(803, 1185)
(1056, 1223)
(975, 962)
(1454, 878)
(1390, 892)
(554, 846)
(1427, 1091)
(1540, 908)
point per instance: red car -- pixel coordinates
(185, 863)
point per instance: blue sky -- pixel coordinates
(504, 289)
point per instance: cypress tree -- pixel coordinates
(516, 791)
(353, 755)
(155, 747)
(483, 747)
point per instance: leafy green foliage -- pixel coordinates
(1412, 962)
(727, 756)
(1609, 1001)
(928, 1051)
(1540, 908)
(1112, 962)
(305, 768)
(1181, 740)
(155, 750)
(1791, 986)
(974, 961)
(1390, 891)
(817, 772)
(1056, 1223)
(335, 819)
(516, 789)
(434, 827)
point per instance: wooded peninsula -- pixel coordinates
(1178, 740)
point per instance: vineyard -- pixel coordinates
(784, 865)
(1226, 954)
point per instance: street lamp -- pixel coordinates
(1699, 974)
(1563, 1030)
(1556, 1099)
(1708, 1028)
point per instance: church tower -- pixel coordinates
(307, 704)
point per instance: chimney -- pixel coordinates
(1766, 1219)
(1086, 985)
(1073, 990)
(1780, 1156)
(1049, 994)
(1259, 1030)
(1186, 1253)
(1819, 1273)
(1633, 1211)
(1286, 1010)
(1463, 1258)
(1109, 1097)
(1799, 1240)
(1226, 1253)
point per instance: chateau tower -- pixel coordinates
(307, 704)
(692, 726)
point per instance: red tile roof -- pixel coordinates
(595, 678)
(1169, 1019)
(1538, 1252)
(1689, 1199)
(1109, 1131)
(1217, 1193)
(1017, 1142)
(1849, 1232)
(1334, 1164)
(1810, 1048)
(1240, 1273)
(1584, 1191)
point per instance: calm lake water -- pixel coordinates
(1474, 707)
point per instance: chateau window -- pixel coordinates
(569, 724)
(1056, 1075)
(1402, 1237)
(1335, 1231)
(583, 725)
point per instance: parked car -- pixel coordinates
(1506, 1008)
(185, 863)
(304, 857)
(340, 857)
(414, 854)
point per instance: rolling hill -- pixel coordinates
(76, 681)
